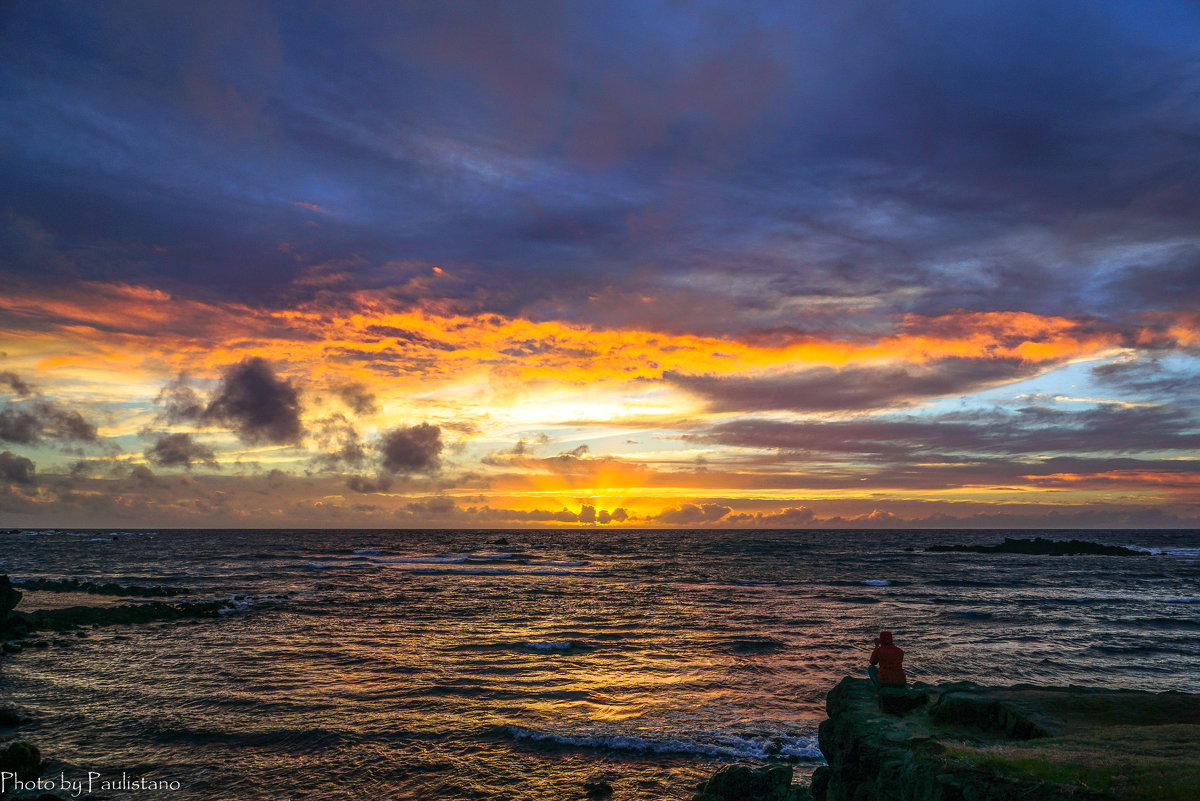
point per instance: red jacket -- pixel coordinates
(889, 658)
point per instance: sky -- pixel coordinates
(614, 264)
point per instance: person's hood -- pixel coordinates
(885, 638)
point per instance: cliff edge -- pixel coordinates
(964, 742)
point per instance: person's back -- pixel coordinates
(890, 661)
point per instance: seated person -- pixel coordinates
(887, 661)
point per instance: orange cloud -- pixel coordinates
(367, 335)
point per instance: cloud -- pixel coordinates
(411, 449)
(790, 516)
(179, 450)
(693, 514)
(341, 441)
(181, 403)
(432, 507)
(30, 423)
(1027, 430)
(16, 384)
(358, 398)
(16, 469)
(368, 485)
(852, 388)
(258, 405)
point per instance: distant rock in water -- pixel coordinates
(500, 541)
(1041, 546)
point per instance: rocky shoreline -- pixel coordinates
(20, 630)
(965, 742)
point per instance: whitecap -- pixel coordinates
(440, 559)
(714, 745)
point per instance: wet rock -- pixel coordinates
(21, 758)
(73, 617)
(9, 596)
(742, 782)
(11, 717)
(108, 588)
(597, 787)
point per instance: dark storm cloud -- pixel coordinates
(16, 384)
(849, 388)
(31, 423)
(411, 449)
(258, 405)
(15, 469)
(179, 450)
(917, 155)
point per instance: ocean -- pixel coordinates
(520, 664)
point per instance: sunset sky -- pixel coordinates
(503, 264)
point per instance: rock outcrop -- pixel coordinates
(962, 742)
(749, 783)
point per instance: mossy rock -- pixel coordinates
(21, 758)
(747, 783)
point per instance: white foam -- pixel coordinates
(441, 559)
(473, 571)
(720, 746)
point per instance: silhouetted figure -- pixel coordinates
(887, 662)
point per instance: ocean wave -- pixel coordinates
(564, 645)
(242, 603)
(1169, 551)
(557, 564)
(976, 614)
(877, 582)
(1187, 600)
(470, 571)
(716, 746)
(366, 552)
(440, 559)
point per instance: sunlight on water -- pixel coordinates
(405, 665)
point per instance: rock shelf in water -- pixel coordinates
(1040, 546)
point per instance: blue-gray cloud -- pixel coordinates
(753, 161)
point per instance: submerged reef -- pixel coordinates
(1040, 546)
(963, 742)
